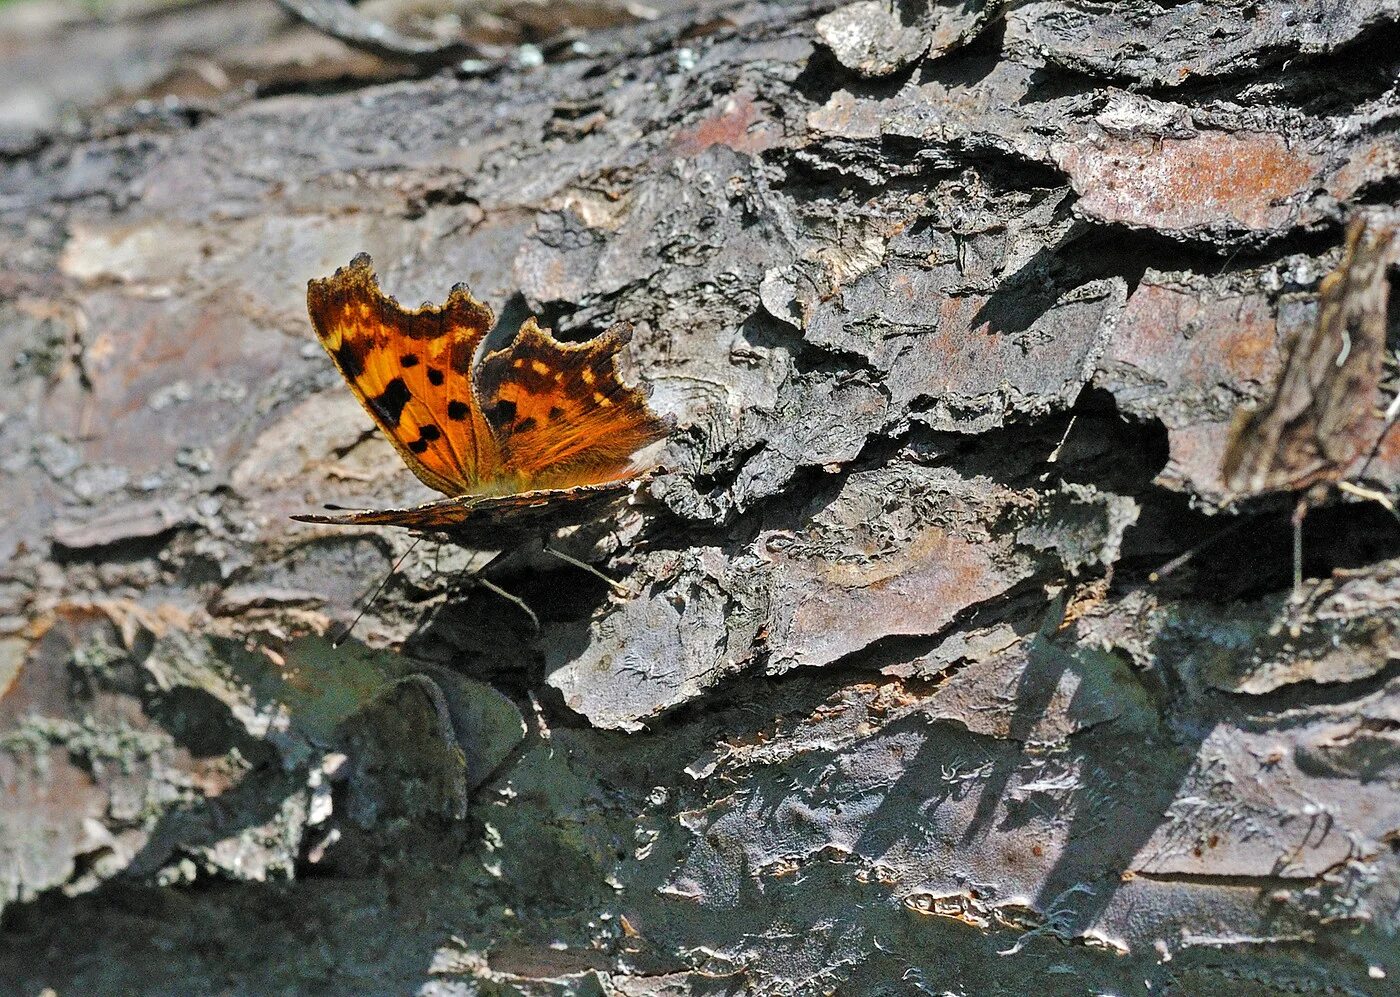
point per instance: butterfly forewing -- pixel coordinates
(412, 372)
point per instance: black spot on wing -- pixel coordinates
(503, 411)
(418, 446)
(555, 413)
(457, 410)
(350, 359)
(435, 376)
(524, 425)
(411, 360)
(389, 403)
(430, 433)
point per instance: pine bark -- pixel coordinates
(942, 658)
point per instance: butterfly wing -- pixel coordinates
(485, 521)
(412, 371)
(560, 412)
(1319, 421)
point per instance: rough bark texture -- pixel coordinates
(953, 305)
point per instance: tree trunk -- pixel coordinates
(943, 659)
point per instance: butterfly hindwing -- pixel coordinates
(560, 412)
(412, 371)
(491, 518)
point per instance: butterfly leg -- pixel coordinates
(491, 586)
(1380, 498)
(1300, 513)
(612, 583)
(468, 573)
(476, 577)
(1295, 600)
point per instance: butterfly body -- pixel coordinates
(535, 433)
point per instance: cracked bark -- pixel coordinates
(954, 304)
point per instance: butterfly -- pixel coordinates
(1319, 422)
(521, 439)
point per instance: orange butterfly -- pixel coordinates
(512, 435)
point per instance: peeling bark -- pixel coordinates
(942, 657)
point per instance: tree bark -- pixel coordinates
(943, 658)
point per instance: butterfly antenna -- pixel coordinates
(1171, 566)
(344, 634)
